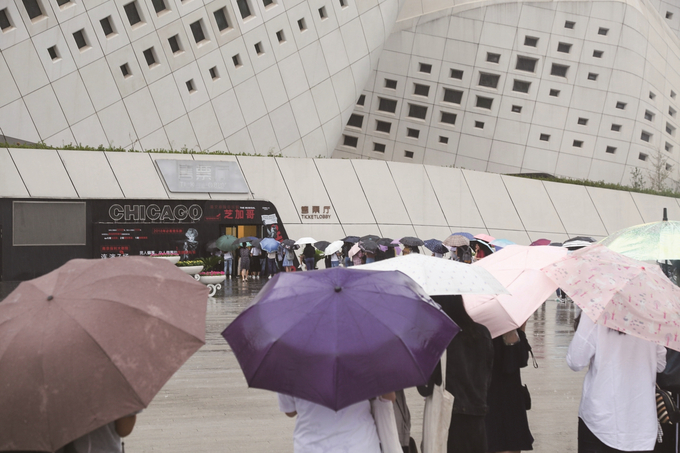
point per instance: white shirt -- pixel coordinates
(255, 251)
(322, 430)
(335, 257)
(101, 440)
(618, 401)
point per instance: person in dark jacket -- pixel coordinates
(308, 253)
(507, 426)
(469, 361)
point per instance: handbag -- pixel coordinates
(666, 410)
(386, 425)
(437, 416)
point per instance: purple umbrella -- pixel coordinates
(339, 336)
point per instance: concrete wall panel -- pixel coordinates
(651, 207)
(345, 191)
(537, 212)
(615, 207)
(381, 192)
(266, 183)
(91, 174)
(493, 201)
(43, 173)
(307, 190)
(454, 197)
(417, 194)
(517, 236)
(177, 195)
(11, 184)
(137, 175)
(576, 210)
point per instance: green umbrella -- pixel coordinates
(657, 241)
(227, 243)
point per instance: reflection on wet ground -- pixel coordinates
(207, 407)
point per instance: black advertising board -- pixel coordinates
(144, 227)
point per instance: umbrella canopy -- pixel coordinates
(501, 243)
(436, 246)
(269, 245)
(411, 241)
(333, 247)
(321, 245)
(658, 241)
(305, 241)
(622, 293)
(463, 233)
(488, 249)
(227, 243)
(386, 242)
(339, 336)
(517, 267)
(245, 239)
(541, 242)
(90, 342)
(353, 250)
(368, 246)
(370, 237)
(440, 277)
(485, 238)
(578, 242)
(456, 240)
(351, 239)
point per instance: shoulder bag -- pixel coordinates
(386, 425)
(437, 416)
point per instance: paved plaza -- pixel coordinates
(207, 407)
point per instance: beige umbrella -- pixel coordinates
(90, 342)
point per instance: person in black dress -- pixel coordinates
(469, 360)
(507, 427)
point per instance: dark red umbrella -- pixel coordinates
(91, 342)
(541, 242)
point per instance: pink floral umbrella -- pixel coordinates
(621, 293)
(517, 267)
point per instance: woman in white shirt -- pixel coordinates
(618, 407)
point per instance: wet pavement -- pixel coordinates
(207, 407)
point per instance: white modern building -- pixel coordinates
(580, 89)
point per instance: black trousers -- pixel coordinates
(589, 443)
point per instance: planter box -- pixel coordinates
(211, 279)
(172, 258)
(191, 269)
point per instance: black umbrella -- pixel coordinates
(256, 242)
(386, 242)
(578, 242)
(369, 246)
(370, 237)
(411, 241)
(321, 245)
(488, 250)
(351, 239)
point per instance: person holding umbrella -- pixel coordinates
(308, 254)
(107, 439)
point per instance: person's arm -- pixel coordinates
(291, 414)
(660, 358)
(287, 405)
(582, 347)
(125, 425)
(392, 396)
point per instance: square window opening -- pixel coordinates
(592, 76)
(125, 69)
(643, 157)
(159, 6)
(484, 103)
(54, 54)
(672, 94)
(569, 24)
(413, 133)
(443, 139)
(302, 25)
(456, 74)
(244, 8)
(669, 167)
(361, 100)
(526, 64)
(107, 27)
(649, 116)
(425, 68)
(602, 31)
(670, 129)
(479, 125)
(383, 126)
(356, 121)
(267, 3)
(391, 84)
(564, 47)
(493, 57)
(554, 92)
(559, 70)
(190, 86)
(378, 147)
(281, 36)
(408, 154)
(610, 150)
(150, 56)
(597, 53)
(417, 111)
(453, 96)
(516, 109)
(343, 3)
(577, 143)
(544, 137)
(521, 86)
(258, 48)
(488, 80)
(530, 41)
(5, 23)
(33, 9)
(669, 15)
(197, 31)
(645, 136)
(236, 59)
(668, 147)
(81, 40)
(652, 95)
(348, 140)
(175, 47)
(672, 112)
(621, 105)
(616, 127)
(421, 90)
(447, 118)
(64, 3)
(387, 105)
(222, 19)
(214, 73)
(322, 13)
(582, 121)
(132, 14)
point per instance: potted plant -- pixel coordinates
(212, 272)
(173, 257)
(192, 267)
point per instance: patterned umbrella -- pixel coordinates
(436, 246)
(656, 241)
(456, 240)
(622, 293)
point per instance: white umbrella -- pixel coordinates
(440, 277)
(307, 240)
(333, 247)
